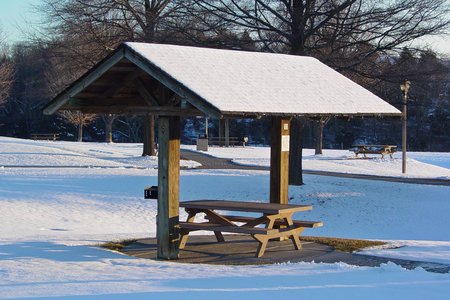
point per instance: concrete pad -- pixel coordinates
(237, 250)
(241, 249)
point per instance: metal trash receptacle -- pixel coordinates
(202, 143)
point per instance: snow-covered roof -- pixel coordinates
(224, 82)
(239, 81)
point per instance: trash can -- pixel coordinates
(202, 142)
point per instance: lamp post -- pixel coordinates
(245, 140)
(405, 89)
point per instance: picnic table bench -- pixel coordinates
(374, 149)
(221, 141)
(45, 136)
(276, 218)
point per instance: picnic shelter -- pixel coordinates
(178, 81)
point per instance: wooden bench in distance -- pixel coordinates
(45, 136)
(220, 141)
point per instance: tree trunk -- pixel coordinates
(149, 148)
(109, 120)
(80, 131)
(318, 137)
(295, 152)
(149, 29)
(109, 131)
(319, 125)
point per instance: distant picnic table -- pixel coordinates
(276, 218)
(221, 141)
(45, 136)
(374, 149)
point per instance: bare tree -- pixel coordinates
(78, 119)
(109, 120)
(345, 34)
(330, 30)
(319, 124)
(6, 71)
(133, 126)
(100, 25)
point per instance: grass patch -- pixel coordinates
(344, 245)
(117, 245)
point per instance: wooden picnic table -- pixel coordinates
(45, 136)
(374, 149)
(276, 218)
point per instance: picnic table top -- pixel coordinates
(266, 208)
(380, 146)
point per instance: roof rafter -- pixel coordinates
(121, 83)
(147, 95)
(88, 78)
(178, 88)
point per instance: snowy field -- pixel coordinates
(419, 164)
(52, 218)
(17, 152)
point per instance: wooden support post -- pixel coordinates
(279, 160)
(149, 148)
(227, 132)
(404, 132)
(295, 152)
(221, 131)
(167, 230)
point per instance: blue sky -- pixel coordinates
(17, 16)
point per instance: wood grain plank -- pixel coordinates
(168, 187)
(279, 160)
(257, 207)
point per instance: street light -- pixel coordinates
(405, 89)
(245, 140)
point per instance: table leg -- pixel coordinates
(271, 222)
(220, 220)
(184, 234)
(184, 237)
(262, 244)
(256, 222)
(295, 236)
(271, 225)
(296, 240)
(219, 236)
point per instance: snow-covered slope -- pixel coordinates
(344, 161)
(19, 152)
(51, 219)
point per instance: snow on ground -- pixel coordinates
(19, 152)
(434, 158)
(419, 165)
(51, 219)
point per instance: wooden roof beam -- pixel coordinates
(79, 85)
(138, 110)
(129, 68)
(120, 95)
(171, 83)
(118, 85)
(147, 95)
